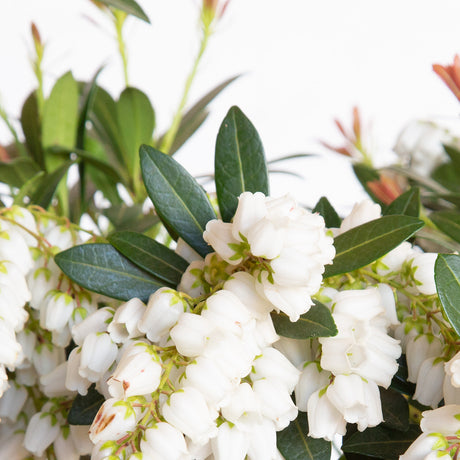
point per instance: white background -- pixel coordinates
(303, 62)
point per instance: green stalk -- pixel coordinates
(119, 19)
(170, 136)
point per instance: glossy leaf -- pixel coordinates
(101, 268)
(448, 222)
(17, 172)
(31, 127)
(317, 322)
(84, 408)
(447, 278)
(128, 6)
(136, 120)
(294, 444)
(395, 409)
(179, 199)
(150, 255)
(366, 243)
(381, 442)
(40, 189)
(124, 217)
(331, 218)
(240, 164)
(60, 114)
(407, 204)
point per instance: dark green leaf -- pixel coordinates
(294, 156)
(399, 382)
(60, 114)
(150, 255)
(124, 217)
(395, 409)
(454, 155)
(331, 218)
(240, 164)
(448, 222)
(84, 408)
(41, 188)
(31, 127)
(381, 442)
(317, 322)
(366, 243)
(178, 198)
(101, 268)
(17, 172)
(447, 278)
(448, 176)
(136, 120)
(367, 174)
(294, 444)
(128, 6)
(407, 204)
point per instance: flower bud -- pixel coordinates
(251, 208)
(98, 352)
(219, 235)
(423, 265)
(94, 323)
(73, 380)
(311, 379)
(362, 212)
(452, 368)
(64, 447)
(53, 383)
(58, 308)
(12, 401)
(125, 320)
(192, 281)
(163, 441)
(429, 382)
(41, 432)
(191, 334)
(230, 443)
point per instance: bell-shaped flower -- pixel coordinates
(98, 353)
(324, 420)
(41, 432)
(452, 369)
(361, 213)
(230, 443)
(275, 402)
(188, 411)
(191, 334)
(164, 441)
(13, 247)
(53, 383)
(47, 357)
(11, 308)
(219, 235)
(421, 447)
(125, 320)
(251, 208)
(56, 310)
(27, 224)
(10, 349)
(192, 281)
(297, 351)
(423, 265)
(12, 443)
(64, 447)
(418, 349)
(240, 405)
(12, 402)
(451, 394)
(312, 379)
(113, 420)
(73, 380)
(262, 440)
(138, 372)
(94, 323)
(11, 274)
(264, 333)
(265, 239)
(429, 382)
(186, 251)
(164, 308)
(80, 436)
(40, 281)
(444, 420)
(393, 261)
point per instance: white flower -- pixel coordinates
(14, 248)
(192, 281)
(230, 443)
(392, 261)
(138, 372)
(56, 310)
(80, 436)
(10, 349)
(94, 323)
(421, 447)
(98, 352)
(312, 378)
(64, 447)
(219, 235)
(324, 420)
(362, 212)
(163, 441)
(47, 357)
(262, 440)
(186, 251)
(125, 320)
(12, 401)
(12, 443)
(452, 368)
(418, 349)
(73, 380)
(265, 239)
(113, 420)
(429, 382)
(191, 334)
(163, 310)
(450, 393)
(53, 383)
(297, 351)
(251, 208)
(41, 432)
(445, 420)
(424, 272)
(188, 411)
(240, 405)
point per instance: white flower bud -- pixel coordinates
(58, 308)
(424, 272)
(186, 251)
(12, 401)
(80, 436)
(444, 420)
(125, 320)
(297, 351)
(192, 281)
(230, 443)
(60, 236)
(164, 441)
(138, 372)
(13, 247)
(241, 402)
(219, 235)
(11, 274)
(98, 352)
(188, 411)
(311, 379)
(40, 282)
(420, 448)
(10, 349)
(429, 382)
(262, 440)
(53, 383)
(251, 208)
(164, 308)
(73, 380)
(64, 447)
(452, 368)
(191, 334)
(47, 357)
(24, 218)
(94, 323)
(113, 420)
(418, 349)
(266, 240)
(12, 443)
(41, 432)
(392, 261)
(361, 213)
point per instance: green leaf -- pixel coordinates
(448, 222)
(447, 278)
(150, 255)
(31, 127)
(407, 204)
(240, 164)
(84, 408)
(399, 382)
(17, 172)
(101, 268)
(317, 322)
(454, 155)
(41, 188)
(179, 200)
(448, 176)
(136, 120)
(294, 444)
(60, 114)
(325, 209)
(395, 409)
(366, 243)
(381, 442)
(128, 6)
(367, 174)
(124, 217)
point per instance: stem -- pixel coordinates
(170, 136)
(119, 19)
